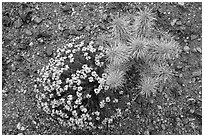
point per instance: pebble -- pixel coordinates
(186, 48)
(197, 73)
(199, 49)
(49, 50)
(181, 3)
(20, 127)
(193, 37)
(173, 22)
(146, 132)
(60, 26)
(159, 107)
(179, 22)
(28, 32)
(163, 126)
(182, 27)
(174, 108)
(18, 23)
(6, 21)
(37, 20)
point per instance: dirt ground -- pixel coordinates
(31, 33)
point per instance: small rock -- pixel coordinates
(180, 75)
(49, 50)
(37, 20)
(197, 73)
(186, 48)
(13, 68)
(179, 22)
(173, 22)
(40, 40)
(159, 107)
(163, 126)
(193, 80)
(182, 27)
(193, 37)
(28, 32)
(88, 28)
(174, 108)
(146, 132)
(6, 21)
(181, 3)
(192, 110)
(31, 44)
(60, 26)
(18, 23)
(199, 49)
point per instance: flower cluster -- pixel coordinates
(75, 89)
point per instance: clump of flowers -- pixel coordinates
(75, 89)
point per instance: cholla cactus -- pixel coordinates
(164, 49)
(119, 27)
(139, 47)
(148, 85)
(143, 23)
(115, 79)
(162, 71)
(118, 53)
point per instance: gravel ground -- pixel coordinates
(31, 32)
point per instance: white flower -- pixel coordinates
(78, 82)
(91, 79)
(66, 87)
(93, 73)
(70, 45)
(69, 97)
(88, 96)
(74, 51)
(115, 100)
(97, 118)
(84, 49)
(104, 75)
(74, 113)
(80, 88)
(67, 51)
(88, 57)
(84, 110)
(71, 60)
(97, 113)
(107, 99)
(102, 104)
(86, 54)
(78, 94)
(106, 87)
(85, 66)
(70, 56)
(96, 91)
